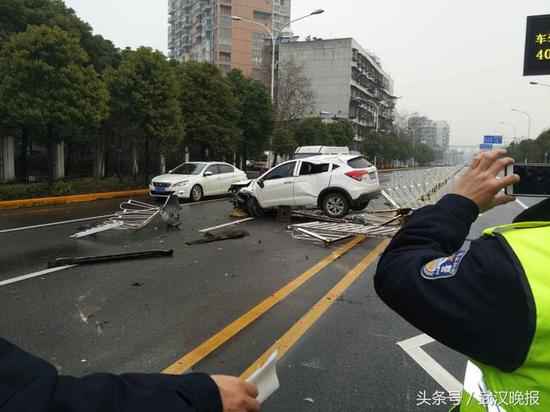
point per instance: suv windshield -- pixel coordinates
(188, 169)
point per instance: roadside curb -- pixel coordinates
(59, 200)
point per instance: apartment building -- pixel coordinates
(348, 82)
(203, 30)
(442, 134)
(434, 133)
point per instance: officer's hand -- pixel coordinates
(480, 183)
(237, 395)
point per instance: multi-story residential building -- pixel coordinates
(423, 130)
(348, 82)
(203, 30)
(442, 134)
(434, 133)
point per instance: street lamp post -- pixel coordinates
(274, 36)
(539, 84)
(512, 126)
(529, 117)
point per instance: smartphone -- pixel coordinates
(535, 180)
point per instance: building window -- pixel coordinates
(257, 46)
(225, 44)
(260, 36)
(226, 32)
(225, 68)
(261, 15)
(225, 10)
(257, 60)
(225, 21)
(225, 56)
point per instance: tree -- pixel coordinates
(16, 15)
(48, 87)
(537, 150)
(145, 93)
(295, 97)
(311, 131)
(341, 133)
(256, 114)
(423, 154)
(283, 142)
(210, 111)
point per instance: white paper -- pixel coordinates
(266, 378)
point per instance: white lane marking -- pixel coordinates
(413, 347)
(33, 275)
(523, 205)
(17, 229)
(226, 224)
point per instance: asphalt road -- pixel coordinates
(145, 315)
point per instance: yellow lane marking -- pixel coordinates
(186, 362)
(294, 334)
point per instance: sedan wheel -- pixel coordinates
(336, 205)
(196, 193)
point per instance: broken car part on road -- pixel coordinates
(64, 261)
(221, 235)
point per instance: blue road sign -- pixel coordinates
(486, 146)
(492, 139)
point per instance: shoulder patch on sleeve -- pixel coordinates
(445, 267)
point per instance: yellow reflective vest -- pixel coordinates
(489, 389)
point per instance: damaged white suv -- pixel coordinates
(334, 183)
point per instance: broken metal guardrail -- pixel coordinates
(134, 214)
(404, 191)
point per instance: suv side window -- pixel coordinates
(312, 168)
(282, 171)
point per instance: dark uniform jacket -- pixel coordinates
(476, 302)
(29, 384)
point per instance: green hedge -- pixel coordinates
(69, 187)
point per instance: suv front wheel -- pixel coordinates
(336, 205)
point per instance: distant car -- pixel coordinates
(335, 183)
(194, 180)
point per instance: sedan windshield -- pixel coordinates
(188, 169)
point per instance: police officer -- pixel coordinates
(490, 302)
(28, 383)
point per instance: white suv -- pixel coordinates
(334, 183)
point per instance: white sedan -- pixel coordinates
(194, 180)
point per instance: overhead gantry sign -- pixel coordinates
(537, 46)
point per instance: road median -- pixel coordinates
(59, 200)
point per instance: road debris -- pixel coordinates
(134, 214)
(220, 235)
(64, 261)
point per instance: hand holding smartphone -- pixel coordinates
(535, 180)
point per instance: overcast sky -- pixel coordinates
(454, 60)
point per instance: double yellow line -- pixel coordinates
(299, 328)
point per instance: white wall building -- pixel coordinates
(348, 82)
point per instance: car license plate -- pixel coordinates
(161, 189)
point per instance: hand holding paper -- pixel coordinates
(266, 378)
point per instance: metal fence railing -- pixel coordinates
(415, 188)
